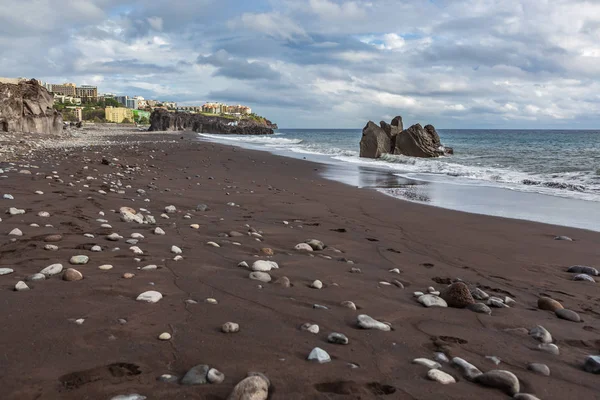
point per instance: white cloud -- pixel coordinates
(272, 24)
(156, 23)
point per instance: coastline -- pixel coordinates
(428, 244)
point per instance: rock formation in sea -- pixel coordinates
(28, 107)
(162, 120)
(415, 141)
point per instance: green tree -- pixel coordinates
(126, 121)
(144, 121)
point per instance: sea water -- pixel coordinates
(507, 173)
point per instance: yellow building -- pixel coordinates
(118, 114)
(67, 89)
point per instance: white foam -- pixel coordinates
(258, 139)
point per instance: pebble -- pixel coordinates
(440, 376)
(170, 209)
(128, 275)
(430, 300)
(319, 355)
(6, 271)
(303, 247)
(540, 334)
(541, 369)
(132, 242)
(366, 322)
(113, 237)
(260, 276)
(230, 327)
(480, 308)
(150, 296)
(524, 396)
(168, 378)
(96, 249)
(316, 244)
(159, 231)
(80, 321)
(133, 396)
(441, 357)
(138, 236)
(427, 363)
(263, 266)
(16, 232)
(592, 364)
(71, 275)
(215, 376)
(496, 302)
(251, 388)
(320, 307)
(509, 301)
(494, 359)
(355, 271)
(395, 271)
(548, 304)
(549, 348)
(196, 376)
(312, 328)
(51, 270)
(53, 238)
(88, 235)
(337, 338)
(151, 267)
(503, 380)
(164, 336)
(8, 197)
(79, 260)
(267, 251)
(177, 258)
(468, 370)
(15, 211)
(213, 244)
(317, 284)
(584, 278)
(36, 277)
(21, 286)
(195, 226)
(348, 304)
(176, 250)
(211, 301)
(568, 315)
(582, 269)
(284, 281)
(568, 239)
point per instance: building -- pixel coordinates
(170, 104)
(151, 103)
(118, 114)
(62, 99)
(79, 114)
(219, 108)
(122, 100)
(67, 89)
(87, 92)
(131, 103)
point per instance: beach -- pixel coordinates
(257, 201)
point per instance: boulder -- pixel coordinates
(416, 142)
(28, 107)
(375, 141)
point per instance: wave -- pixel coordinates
(259, 139)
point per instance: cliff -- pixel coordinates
(162, 120)
(28, 107)
(416, 141)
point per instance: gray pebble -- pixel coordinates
(568, 315)
(196, 375)
(541, 369)
(337, 338)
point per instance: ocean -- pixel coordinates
(556, 171)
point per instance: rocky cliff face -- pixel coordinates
(162, 120)
(28, 107)
(415, 141)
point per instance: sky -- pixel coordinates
(325, 63)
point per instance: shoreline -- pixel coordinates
(49, 356)
(476, 197)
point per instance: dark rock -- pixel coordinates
(582, 269)
(397, 122)
(457, 295)
(375, 141)
(435, 138)
(592, 364)
(196, 375)
(28, 107)
(500, 379)
(337, 338)
(568, 315)
(480, 308)
(284, 281)
(390, 130)
(162, 120)
(418, 142)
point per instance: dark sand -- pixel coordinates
(45, 355)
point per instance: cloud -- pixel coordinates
(325, 63)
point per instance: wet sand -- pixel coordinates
(46, 355)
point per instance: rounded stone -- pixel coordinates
(548, 304)
(168, 378)
(440, 376)
(36, 277)
(6, 271)
(303, 247)
(50, 247)
(21, 286)
(312, 328)
(150, 296)
(267, 251)
(230, 327)
(524, 396)
(128, 275)
(592, 364)
(540, 369)
(457, 295)
(316, 244)
(264, 266)
(540, 333)
(430, 300)
(251, 388)
(549, 348)
(52, 270)
(568, 315)
(505, 381)
(583, 269)
(317, 284)
(106, 267)
(480, 308)
(164, 336)
(427, 363)
(348, 304)
(196, 376)
(71, 275)
(215, 376)
(584, 278)
(366, 322)
(260, 276)
(79, 260)
(53, 238)
(284, 281)
(337, 338)
(15, 232)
